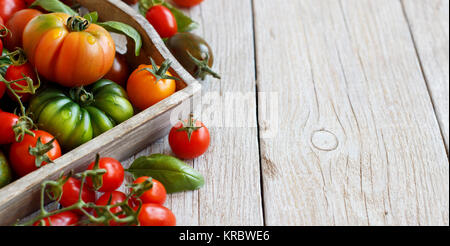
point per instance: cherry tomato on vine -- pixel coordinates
(71, 191)
(2, 85)
(187, 3)
(156, 215)
(113, 178)
(189, 140)
(16, 24)
(119, 71)
(8, 120)
(162, 20)
(148, 85)
(30, 154)
(9, 7)
(66, 218)
(114, 197)
(15, 72)
(157, 194)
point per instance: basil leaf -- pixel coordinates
(91, 17)
(173, 173)
(114, 26)
(184, 23)
(54, 6)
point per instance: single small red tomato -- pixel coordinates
(131, 2)
(9, 7)
(162, 20)
(189, 140)
(157, 194)
(156, 215)
(22, 155)
(119, 71)
(113, 178)
(71, 191)
(17, 72)
(16, 24)
(2, 85)
(114, 197)
(66, 218)
(7, 120)
(187, 3)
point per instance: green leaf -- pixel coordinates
(114, 26)
(184, 22)
(173, 173)
(91, 17)
(54, 6)
(5, 61)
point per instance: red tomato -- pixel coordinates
(71, 191)
(113, 178)
(16, 24)
(67, 218)
(131, 2)
(156, 215)
(162, 20)
(116, 197)
(17, 72)
(7, 120)
(119, 71)
(157, 194)
(184, 147)
(9, 7)
(20, 158)
(187, 3)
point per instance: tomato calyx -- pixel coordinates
(140, 188)
(203, 68)
(160, 72)
(190, 127)
(24, 125)
(77, 24)
(81, 96)
(4, 31)
(40, 151)
(96, 176)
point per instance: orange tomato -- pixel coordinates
(16, 24)
(145, 90)
(69, 51)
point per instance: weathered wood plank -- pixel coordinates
(429, 23)
(358, 142)
(232, 192)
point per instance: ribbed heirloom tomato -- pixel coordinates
(68, 50)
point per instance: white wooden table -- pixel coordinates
(360, 90)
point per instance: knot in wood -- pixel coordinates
(324, 140)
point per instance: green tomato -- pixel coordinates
(77, 116)
(5, 171)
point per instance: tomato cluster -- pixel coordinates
(151, 213)
(64, 75)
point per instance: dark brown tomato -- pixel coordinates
(120, 71)
(182, 43)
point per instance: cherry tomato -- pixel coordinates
(144, 91)
(119, 71)
(22, 162)
(185, 147)
(116, 197)
(71, 191)
(2, 85)
(162, 20)
(157, 194)
(9, 7)
(66, 218)
(16, 24)
(17, 72)
(113, 178)
(7, 120)
(156, 215)
(187, 3)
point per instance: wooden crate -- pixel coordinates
(21, 197)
